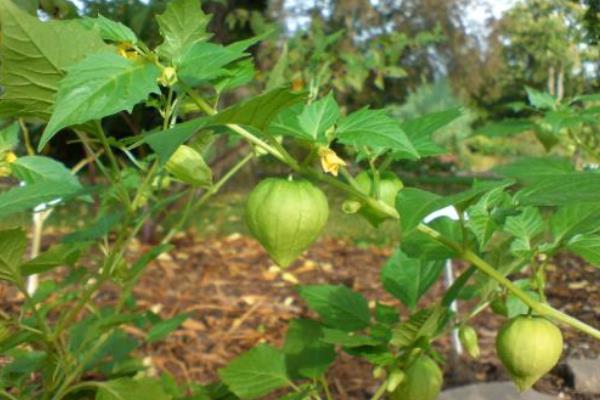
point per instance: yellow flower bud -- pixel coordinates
(168, 77)
(10, 157)
(330, 162)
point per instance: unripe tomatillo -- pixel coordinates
(529, 347)
(286, 217)
(422, 380)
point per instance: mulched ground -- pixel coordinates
(237, 299)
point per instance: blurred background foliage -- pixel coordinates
(410, 56)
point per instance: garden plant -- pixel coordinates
(63, 344)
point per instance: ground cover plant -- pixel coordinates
(69, 75)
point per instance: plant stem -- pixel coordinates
(5, 394)
(325, 385)
(380, 390)
(541, 308)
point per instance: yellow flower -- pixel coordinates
(10, 157)
(330, 162)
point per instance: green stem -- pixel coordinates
(5, 394)
(380, 391)
(540, 308)
(325, 385)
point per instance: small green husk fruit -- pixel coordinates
(529, 347)
(286, 217)
(422, 381)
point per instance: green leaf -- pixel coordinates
(407, 279)
(129, 389)
(277, 73)
(110, 30)
(204, 61)
(9, 137)
(99, 86)
(338, 306)
(256, 373)
(235, 75)
(420, 130)
(305, 354)
(526, 225)
(165, 143)
(309, 122)
(539, 99)
(415, 204)
(34, 56)
(420, 245)
(376, 130)
(574, 219)
(164, 328)
(56, 256)
(182, 24)
(507, 127)
(427, 322)
(586, 246)
(32, 169)
(562, 190)
(259, 111)
(347, 339)
(530, 170)
(23, 198)
(95, 230)
(480, 220)
(12, 249)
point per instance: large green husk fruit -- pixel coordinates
(423, 381)
(529, 347)
(389, 186)
(188, 166)
(286, 217)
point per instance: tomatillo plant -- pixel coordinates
(64, 343)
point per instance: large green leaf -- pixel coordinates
(165, 143)
(420, 130)
(34, 56)
(507, 127)
(539, 99)
(574, 219)
(408, 278)
(129, 389)
(561, 190)
(305, 354)
(9, 137)
(338, 306)
(23, 198)
(259, 111)
(376, 130)
(110, 30)
(12, 249)
(56, 256)
(529, 170)
(308, 122)
(204, 61)
(31, 169)
(256, 373)
(164, 328)
(586, 246)
(100, 85)
(182, 24)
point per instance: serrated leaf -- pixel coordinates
(529, 170)
(235, 75)
(574, 219)
(347, 339)
(129, 389)
(12, 250)
(256, 372)
(34, 56)
(420, 130)
(308, 122)
(259, 111)
(99, 86)
(32, 169)
(277, 73)
(427, 322)
(182, 24)
(56, 256)
(507, 127)
(163, 328)
(539, 99)
(165, 143)
(480, 220)
(376, 130)
(407, 279)
(338, 306)
(110, 30)
(306, 355)
(586, 246)
(562, 190)
(27, 197)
